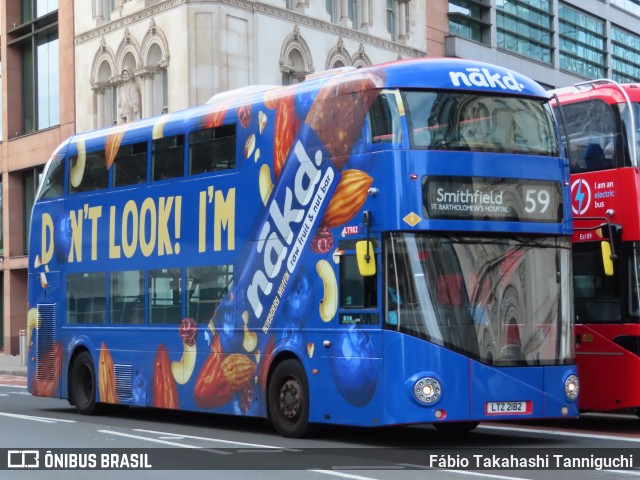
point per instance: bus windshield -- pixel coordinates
(479, 123)
(503, 301)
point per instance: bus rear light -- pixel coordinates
(427, 390)
(413, 176)
(571, 387)
(441, 414)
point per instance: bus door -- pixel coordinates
(356, 351)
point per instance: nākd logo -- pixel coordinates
(482, 77)
(580, 196)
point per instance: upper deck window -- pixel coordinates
(52, 185)
(592, 130)
(212, 149)
(384, 117)
(130, 165)
(168, 157)
(479, 123)
(91, 176)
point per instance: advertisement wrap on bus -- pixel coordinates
(388, 245)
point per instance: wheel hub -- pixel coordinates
(290, 399)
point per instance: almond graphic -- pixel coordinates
(212, 388)
(165, 391)
(47, 378)
(237, 370)
(286, 129)
(112, 145)
(271, 98)
(106, 376)
(348, 199)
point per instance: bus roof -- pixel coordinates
(606, 90)
(436, 73)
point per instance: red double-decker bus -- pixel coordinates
(601, 126)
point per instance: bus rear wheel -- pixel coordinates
(288, 399)
(82, 384)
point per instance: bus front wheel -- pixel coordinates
(82, 384)
(288, 399)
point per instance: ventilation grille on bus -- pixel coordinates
(45, 353)
(124, 382)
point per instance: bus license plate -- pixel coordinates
(507, 408)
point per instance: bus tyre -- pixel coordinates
(82, 384)
(456, 428)
(288, 399)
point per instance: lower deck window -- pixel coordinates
(86, 298)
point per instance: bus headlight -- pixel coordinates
(571, 387)
(427, 390)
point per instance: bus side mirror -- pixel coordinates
(366, 258)
(607, 262)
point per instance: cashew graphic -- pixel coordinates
(183, 369)
(77, 172)
(329, 304)
(265, 183)
(250, 340)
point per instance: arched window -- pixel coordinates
(361, 59)
(338, 56)
(158, 91)
(154, 73)
(295, 58)
(103, 71)
(105, 100)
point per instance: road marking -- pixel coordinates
(164, 442)
(9, 385)
(343, 475)
(463, 472)
(487, 475)
(36, 419)
(625, 472)
(562, 434)
(194, 437)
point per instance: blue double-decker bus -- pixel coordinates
(388, 245)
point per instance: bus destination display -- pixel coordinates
(502, 199)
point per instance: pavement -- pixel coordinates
(10, 365)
